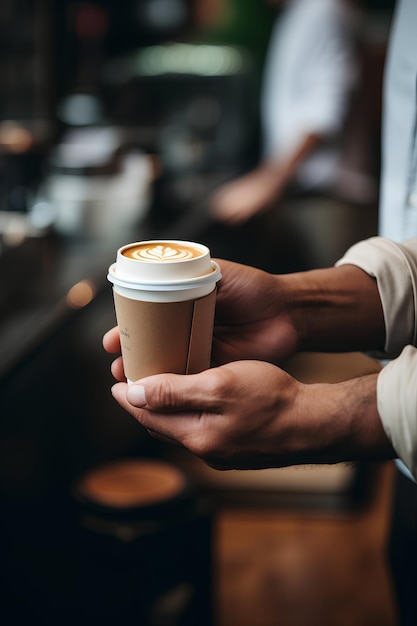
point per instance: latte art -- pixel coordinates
(160, 252)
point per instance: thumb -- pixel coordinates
(171, 393)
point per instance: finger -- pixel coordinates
(163, 438)
(111, 340)
(173, 428)
(117, 370)
(177, 393)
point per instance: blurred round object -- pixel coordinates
(14, 137)
(131, 484)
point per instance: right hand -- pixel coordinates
(252, 317)
(252, 321)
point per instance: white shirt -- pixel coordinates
(398, 203)
(309, 75)
(398, 197)
(394, 266)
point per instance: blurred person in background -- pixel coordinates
(311, 78)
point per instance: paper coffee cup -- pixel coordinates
(164, 295)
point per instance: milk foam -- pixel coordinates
(162, 253)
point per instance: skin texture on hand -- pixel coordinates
(252, 320)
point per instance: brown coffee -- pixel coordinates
(162, 252)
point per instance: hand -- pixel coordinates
(229, 416)
(253, 415)
(253, 320)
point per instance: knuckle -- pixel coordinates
(163, 394)
(221, 383)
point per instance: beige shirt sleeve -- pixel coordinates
(394, 267)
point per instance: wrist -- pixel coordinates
(335, 309)
(341, 423)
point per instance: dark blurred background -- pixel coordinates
(117, 120)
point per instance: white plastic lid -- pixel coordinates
(165, 285)
(164, 265)
(162, 260)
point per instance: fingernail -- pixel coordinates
(136, 395)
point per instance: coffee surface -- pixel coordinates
(162, 252)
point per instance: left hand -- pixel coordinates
(238, 415)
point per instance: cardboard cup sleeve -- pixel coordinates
(160, 337)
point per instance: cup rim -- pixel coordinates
(192, 244)
(167, 285)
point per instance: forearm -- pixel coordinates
(307, 145)
(340, 422)
(336, 309)
(281, 171)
